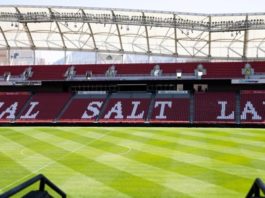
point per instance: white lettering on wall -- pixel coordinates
(162, 105)
(224, 115)
(94, 108)
(30, 114)
(10, 110)
(116, 109)
(250, 109)
(134, 111)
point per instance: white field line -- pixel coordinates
(50, 163)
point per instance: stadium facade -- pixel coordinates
(130, 66)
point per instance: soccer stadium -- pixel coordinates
(122, 103)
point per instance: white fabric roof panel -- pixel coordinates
(156, 33)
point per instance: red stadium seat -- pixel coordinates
(252, 107)
(215, 107)
(216, 70)
(126, 110)
(83, 110)
(49, 72)
(11, 104)
(171, 110)
(44, 107)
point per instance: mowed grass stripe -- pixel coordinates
(189, 148)
(211, 163)
(205, 149)
(135, 166)
(223, 132)
(149, 172)
(228, 181)
(76, 184)
(118, 179)
(211, 136)
(10, 171)
(234, 132)
(248, 135)
(198, 144)
(25, 159)
(23, 155)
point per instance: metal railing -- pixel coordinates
(43, 181)
(256, 189)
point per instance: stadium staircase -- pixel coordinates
(192, 108)
(237, 112)
(104, 106)
(64, 108)
(151, 107)
(24, 107)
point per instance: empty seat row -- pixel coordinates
(60, 72)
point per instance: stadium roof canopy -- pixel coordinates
(139, 32)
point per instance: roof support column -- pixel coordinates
(118, 31)
(91, 31)
(59, 29)
(96, 58)
(64, 56)
(210, 39)
(4, 36)
(29, 35)
(7, 45)
(175, 35)
(34, 57)
(26, 28)
(147, 35)
(8, 56)
(245, 44)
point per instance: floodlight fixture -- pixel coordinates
(200, 73)
(179, 74)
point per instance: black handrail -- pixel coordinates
(43, 180)
(256, 189)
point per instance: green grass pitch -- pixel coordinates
(109, 162)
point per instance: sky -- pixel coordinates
(195, 6)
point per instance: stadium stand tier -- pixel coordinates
(43, 107)
(11, 104)
(252, 106)
(83, 108)
(215, 107)
(170, 108)
(204, 93)
(126, 107)
(60, 72)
